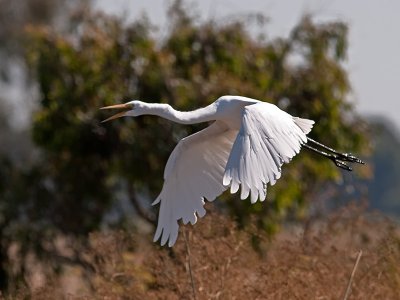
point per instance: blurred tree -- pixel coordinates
(384, 189)
(14, 17)
(85, 167)
(16, 149)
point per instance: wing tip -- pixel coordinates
(158, 199)
(305, 124)
(226, 180)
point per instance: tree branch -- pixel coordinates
(144, 213)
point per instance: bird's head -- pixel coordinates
(132, 108)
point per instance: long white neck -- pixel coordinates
(166, 111)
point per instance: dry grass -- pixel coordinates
(315, 263)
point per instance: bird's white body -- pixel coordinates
(243, 149)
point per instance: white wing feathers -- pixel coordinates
(268, 137)
(204, 164)
(305, 124)
(193, 172)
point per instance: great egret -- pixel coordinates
(245, 147)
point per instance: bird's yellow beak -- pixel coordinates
(125, 107)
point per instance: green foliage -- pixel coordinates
(85, 166)
(101, 60)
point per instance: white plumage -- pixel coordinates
(244, 148)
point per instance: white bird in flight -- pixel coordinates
(245, 147)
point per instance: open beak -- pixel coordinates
(124, 107)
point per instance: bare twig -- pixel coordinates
(74, 260)
(189, 263)
(348, 290)
(144, 213)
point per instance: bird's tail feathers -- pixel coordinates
(305, 124)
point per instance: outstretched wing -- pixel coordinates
(268, 137)
(193, 172)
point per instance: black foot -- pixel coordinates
(339, 159)
(341, 164)
(350, 158)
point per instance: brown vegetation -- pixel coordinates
(232, 263)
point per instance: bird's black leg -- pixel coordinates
(332, 156)
(342, 156)
(337, 157)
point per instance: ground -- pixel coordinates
(311, 261)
